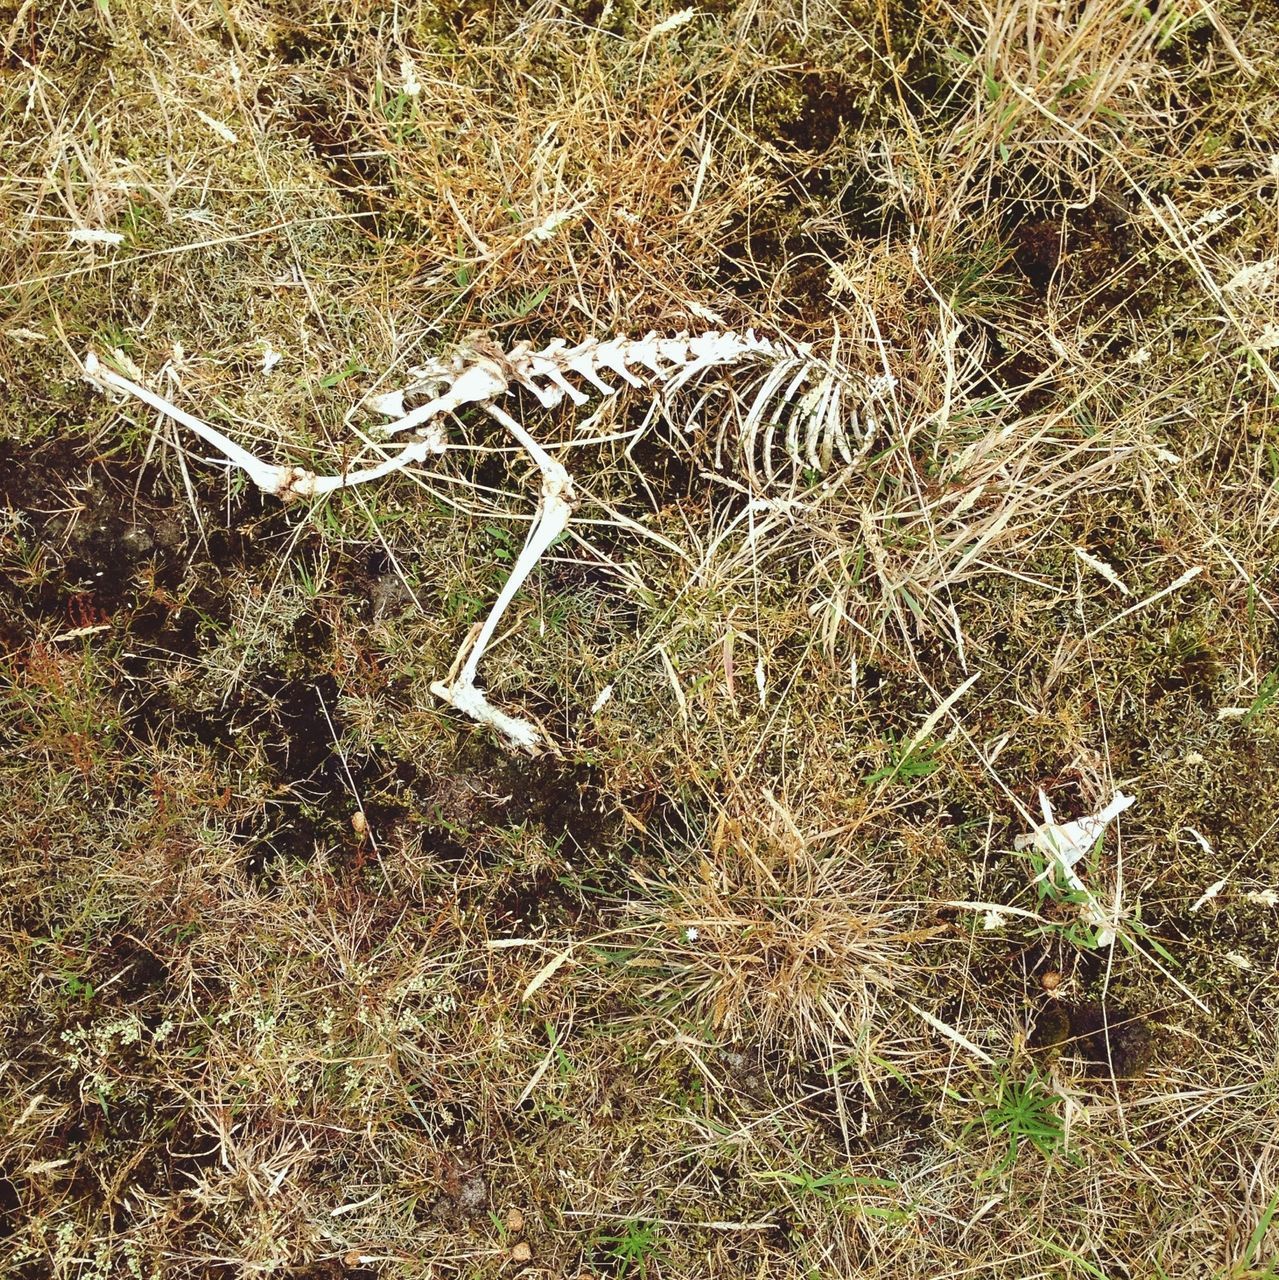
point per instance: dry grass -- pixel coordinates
(303, 976)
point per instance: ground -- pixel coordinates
(748, 974)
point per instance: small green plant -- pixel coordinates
(339, 376)
(906, 763)
(1019, 1112)
(461, 605)
(1251, 1265)
(1168, 21)
(1052, 886)
(516, 306)
(311, 580)
(77, 989)
(503, 541)
(632, 1249)
(840, 1187)
(1267, 696)
(1083, 927)
(462, 271)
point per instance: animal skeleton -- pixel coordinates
(796, 419)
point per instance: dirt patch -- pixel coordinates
(360, 178)
(1106, 1039)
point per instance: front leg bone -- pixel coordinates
(284, 482)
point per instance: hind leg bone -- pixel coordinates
(554, 510)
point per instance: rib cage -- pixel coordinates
(801, 412)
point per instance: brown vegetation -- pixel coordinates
(304, 976)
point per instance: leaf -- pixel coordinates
(331, 380)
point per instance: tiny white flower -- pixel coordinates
(409, 82)
(671, 23)
(1211, 218)
(1256, 277)
(691, 934)
(546, 229)
(1268, 339)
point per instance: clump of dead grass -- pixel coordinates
(772, 935)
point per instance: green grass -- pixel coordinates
(304, 976)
